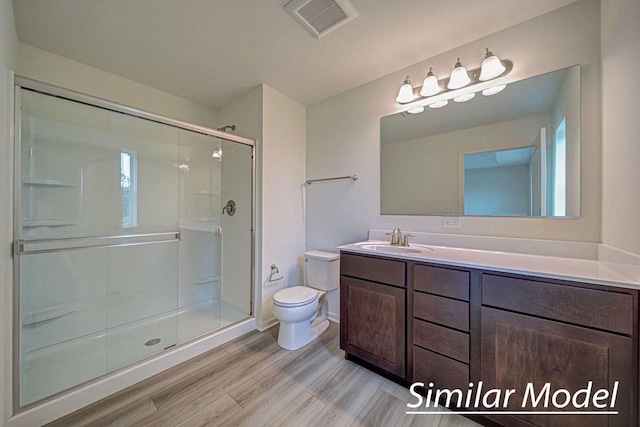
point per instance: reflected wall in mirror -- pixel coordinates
(515, 153)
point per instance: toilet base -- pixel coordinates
(293, 336)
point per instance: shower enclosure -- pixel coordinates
(123, 247)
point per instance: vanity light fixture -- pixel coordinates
(491, 68)
(493, 90)
(438, 104)
(459, 77)
(416, 110)
(405, 94)
(464, 98)
(430, 85)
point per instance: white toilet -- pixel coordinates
(302, 310)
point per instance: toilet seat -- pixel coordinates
(295, 296)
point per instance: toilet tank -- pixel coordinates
(322, 269)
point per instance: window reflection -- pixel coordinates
(128, 187)
(560, 170)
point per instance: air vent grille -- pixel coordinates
(322, 14)
(320, 17)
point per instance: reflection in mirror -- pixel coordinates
(499, 182)
(515, 153)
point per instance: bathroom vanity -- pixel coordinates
(418, 317)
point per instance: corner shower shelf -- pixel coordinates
(28, 180)
(47, 314)
(205, 280)
(49, 223)
(205, 228)
(206, 193)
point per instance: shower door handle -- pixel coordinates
(66, 244)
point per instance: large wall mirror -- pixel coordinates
(514, 153)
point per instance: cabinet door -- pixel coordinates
(519, 349)
(372, 324)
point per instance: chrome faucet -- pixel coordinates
(397, 239)
(396, 236)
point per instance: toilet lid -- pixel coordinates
(298, 295)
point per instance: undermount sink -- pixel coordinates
(390, 249)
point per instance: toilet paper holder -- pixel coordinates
(274, 271)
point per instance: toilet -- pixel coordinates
(302, 310)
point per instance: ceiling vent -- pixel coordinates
(320, 17)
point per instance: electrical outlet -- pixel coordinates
(448, 209)
(451, 221)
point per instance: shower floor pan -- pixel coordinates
(53, 369)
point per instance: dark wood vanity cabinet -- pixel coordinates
(440, 319)
(467, 325)
(519, 349)
(372, 311)
(562, 334)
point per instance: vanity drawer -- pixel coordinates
(448, 342)
(611, 311)
(373, 269)
(440, 310)
(443, 372)
(442, 281)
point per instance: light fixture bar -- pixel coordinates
(475, 79)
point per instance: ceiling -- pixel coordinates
(212, 51)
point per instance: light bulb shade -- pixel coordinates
(464, 98)
(493, 90)
(492, 67)
(406, 92)
(438, 104)
(430, 85)
(459, 77)
(416, 110)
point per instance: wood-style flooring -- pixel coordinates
(252, 382)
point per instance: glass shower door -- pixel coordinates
(97, 242)
(123, 245)
(64, 154)
(200, 241)
(216, 242)
(237, 178)
(142, 279)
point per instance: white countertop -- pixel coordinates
(579, 270)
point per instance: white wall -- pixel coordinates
(278, 123)
(8, 43)
(283, 175)
(50, 68)
(343, 136)
(621, 124)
